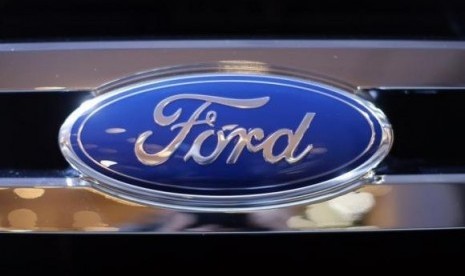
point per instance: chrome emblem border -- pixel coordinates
(201, 203)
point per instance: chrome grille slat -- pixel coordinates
(86, 65)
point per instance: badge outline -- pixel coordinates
(327, 189)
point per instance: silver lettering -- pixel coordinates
(252, 140)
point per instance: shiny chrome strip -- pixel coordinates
(425, 202)
(42, 182)
(397, 88)
(208, 44)
(81, 66)
(423, 178)
(399, 179)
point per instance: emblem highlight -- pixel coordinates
(243, 137)
(225, 141)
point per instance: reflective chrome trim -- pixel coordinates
(267, 44)
(42, 182)
(87, 65)
(395, 179)
(423, 178)
(396, 88)
(413, 206)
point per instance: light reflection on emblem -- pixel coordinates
(226, 141)
(240, 136)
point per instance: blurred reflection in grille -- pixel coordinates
(342, 212)
(29, 193)
(22, 219)
(81, 209)
(373, 206)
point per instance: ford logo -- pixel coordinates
(226, 141)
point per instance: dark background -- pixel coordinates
(344, 253)
(173, 19)
(373, 252)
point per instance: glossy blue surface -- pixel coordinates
(344, 134)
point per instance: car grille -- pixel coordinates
(419, 85)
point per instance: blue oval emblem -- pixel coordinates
(226, 141)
